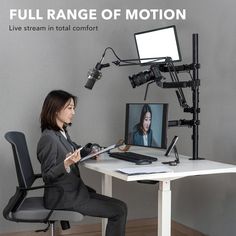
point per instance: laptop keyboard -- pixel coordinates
(131, 156)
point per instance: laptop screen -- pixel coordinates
(146, 124)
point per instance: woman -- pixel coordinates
(143, 133)
(59, 158)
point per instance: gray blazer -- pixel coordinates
(51, 152)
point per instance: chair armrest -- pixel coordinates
(43, 186)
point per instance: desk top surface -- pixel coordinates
(109, 166)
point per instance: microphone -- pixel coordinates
(95, 74)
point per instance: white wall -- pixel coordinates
(33, 63)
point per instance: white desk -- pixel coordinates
(108, 167)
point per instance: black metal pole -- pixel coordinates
(195, 98)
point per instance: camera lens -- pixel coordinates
(146, 76)
(140, 78)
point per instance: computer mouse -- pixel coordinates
(143, 162)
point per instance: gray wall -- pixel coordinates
(33, 63)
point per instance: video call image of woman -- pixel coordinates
(143, 134)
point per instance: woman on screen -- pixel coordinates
(59, 158)
(142, 135)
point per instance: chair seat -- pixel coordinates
(32, 208)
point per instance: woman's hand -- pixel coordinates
(72, 158)
(95, 149)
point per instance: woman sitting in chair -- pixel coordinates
(59, 158)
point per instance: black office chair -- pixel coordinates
(21, 208)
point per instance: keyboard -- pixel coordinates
(131, 156)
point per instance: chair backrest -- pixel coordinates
(24, 169)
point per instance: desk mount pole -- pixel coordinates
(195, 99)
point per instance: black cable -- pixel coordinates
(131, 60)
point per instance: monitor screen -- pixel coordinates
(158, 43)
(146, 124)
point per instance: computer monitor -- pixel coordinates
(146, 124)
(158, 43)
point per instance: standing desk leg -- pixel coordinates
(106, 190)
(164, 209)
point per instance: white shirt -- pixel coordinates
(145, 140)
(64, 134)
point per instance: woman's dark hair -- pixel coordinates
(146, 108)
(53, 103)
